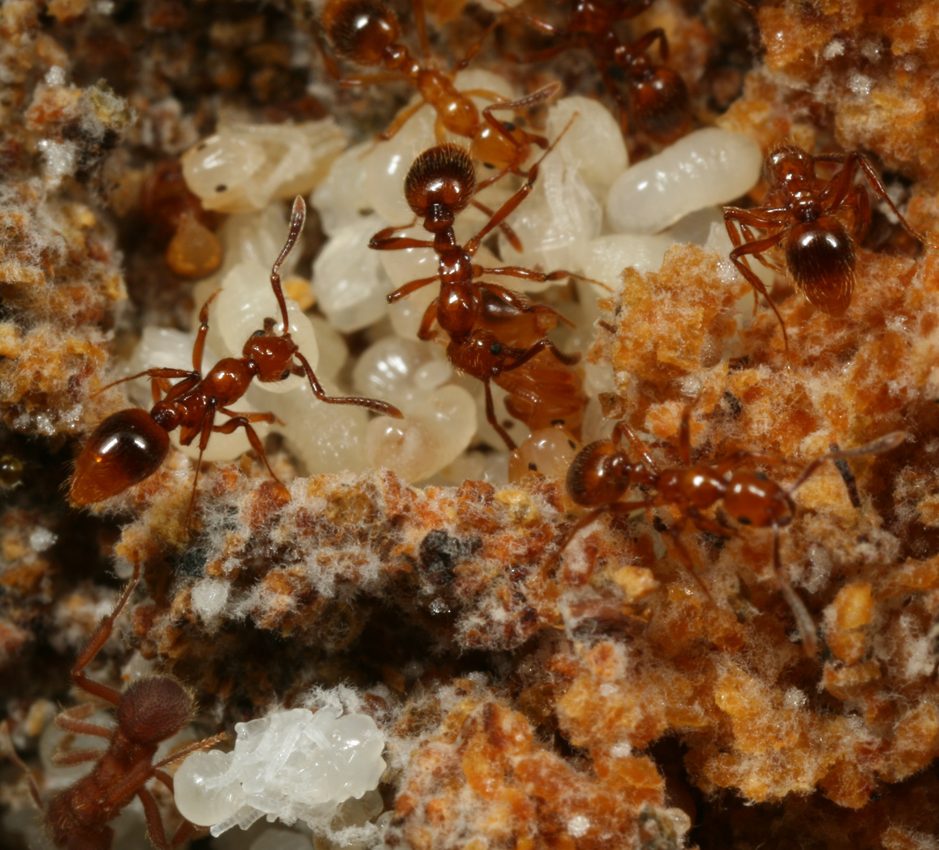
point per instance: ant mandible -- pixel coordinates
(150, 711)
(601, 474)
(130, 445)
(804, 213)
(367, 32)
(649, 94)
(493, 331)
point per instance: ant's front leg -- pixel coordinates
(380, 407)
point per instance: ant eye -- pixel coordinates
(495, 348)
(743, 520)
(285, 374)
(508, 126)
(258, 333)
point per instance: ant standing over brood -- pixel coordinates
(805, 214)
(495, 335)
(602, 473)
(130, 445)
(368, 33)
(148, 712)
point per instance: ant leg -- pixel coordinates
(420, 21)
(473, 51)
(204, 434)
(380, 407)
(592, 516)
(243, 421)
(525, 102)
(155, 831)
(409, 287)
(72, 720)
(369, 79)
(98, 639)
(834, 194)
(620, 430)
(539, 277)
(150, 373)
(738, 258)
(685, 556)
(804, 621)
(297, 220)
(385, 240)
(61, 759)
(859, 203)
(684, 437)
(184, 832)
(510, 204)
(425, 331)
(504, 226)
(400, 120)
(653, 36)
(886, 443)
(14, 756)
(535, 350)
(251, 417)
(491, 418)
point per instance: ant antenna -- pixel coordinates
(297, 220)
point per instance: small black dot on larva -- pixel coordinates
(221, 187)
(557, 422)
(533, 467)
(201, 146)
(572, 444)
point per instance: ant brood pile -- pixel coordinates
(731, 589)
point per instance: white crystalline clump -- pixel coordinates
(707, 167)
(244, 167)
(290, 765)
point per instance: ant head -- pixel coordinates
(788, 164)
(360, 29)
(440, 182)
(153, 709)
(124, 449)
(753, 499)
(599, 474)
(271, 354)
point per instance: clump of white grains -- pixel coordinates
(591, 212)
(291, 765)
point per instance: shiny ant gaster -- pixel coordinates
(130, 445)
(602, 472)
(150, 711)
(649, 94)
(367, 32)
(804, 212)
(494, 334)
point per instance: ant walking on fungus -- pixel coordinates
(149, 711)
(804, 213)
(496, 335)
(130, 445)
(367, 32)
(650, 95)
(602, 472)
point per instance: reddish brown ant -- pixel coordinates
(367, 32)
(495, 334)
(804, 212)
(602, 473)
(650, 95)
(130, 445)
(150, 711)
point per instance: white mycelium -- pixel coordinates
(288, 766)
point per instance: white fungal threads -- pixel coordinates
(288, 766)
(244, 167)
(705, 168)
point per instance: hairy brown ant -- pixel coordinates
(602, 473)
(496, 335)
(130, 445)
(367, 32)
(149, 711)
(650, 95)
(804, 213)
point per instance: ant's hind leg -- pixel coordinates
(244, 420)
(491, 418)
(98, 639)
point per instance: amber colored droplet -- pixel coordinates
(194, 251)
(123, 450)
